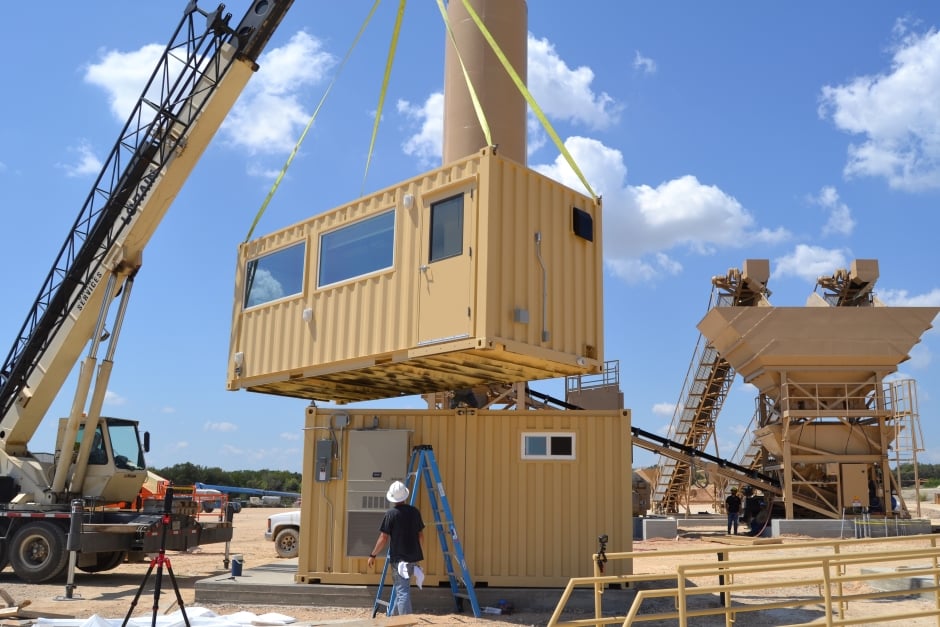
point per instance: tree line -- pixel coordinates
(928, 473)
(188, 473)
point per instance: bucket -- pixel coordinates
(237, 563)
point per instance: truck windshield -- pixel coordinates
(125, 445)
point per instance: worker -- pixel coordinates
(733, 509)
(402, 530)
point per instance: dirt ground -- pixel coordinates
(110, 595)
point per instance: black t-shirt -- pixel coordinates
(403, 523)
(733, 504)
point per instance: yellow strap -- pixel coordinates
(481, 116)
(316, 112)
(528, 96)
(388, 72)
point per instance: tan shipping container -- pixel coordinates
(523, 519)
(481, 271)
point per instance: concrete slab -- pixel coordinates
(896, 579)
(851, 528)
(273, 584)
(648, 528)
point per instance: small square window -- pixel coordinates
(446, 229)
(548, 445)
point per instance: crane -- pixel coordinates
(81, 307)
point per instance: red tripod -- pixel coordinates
(159, 561)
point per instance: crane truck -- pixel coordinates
(79, 501)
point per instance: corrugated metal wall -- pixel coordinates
(521, 522)
(374, 322)
(521, 203)
(349, 320)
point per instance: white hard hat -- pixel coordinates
(397, 492)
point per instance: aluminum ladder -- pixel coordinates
(423, 464)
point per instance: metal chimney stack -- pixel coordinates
(503, 105)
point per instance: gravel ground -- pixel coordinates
(110, 595)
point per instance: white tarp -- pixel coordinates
(198, 617)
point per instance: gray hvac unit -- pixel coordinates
(375, 459)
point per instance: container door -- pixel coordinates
(445, 285)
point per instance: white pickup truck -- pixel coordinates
(284, 530)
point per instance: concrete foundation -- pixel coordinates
(648, 528)
(897, 579)
(273, 584)
(851, 528)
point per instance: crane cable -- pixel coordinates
(477, 107)
(393, 45)
(316, 112)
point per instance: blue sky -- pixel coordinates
(805, 133)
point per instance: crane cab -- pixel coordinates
(115, 469)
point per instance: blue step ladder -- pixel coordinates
(424, 465)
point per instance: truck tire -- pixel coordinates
(286, 543)
(105, 561)
(37, 551)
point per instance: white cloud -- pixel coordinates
(666, 410)
(810, 262)
(223, 427)
(290, 435)
(113, 399)
(561, 92)
(87, 162)
(564, 93)
(901, 298)
(840, 220)
(642, 223)
(897, 113)
(919, 358)
(268, 116)
(168, 410)
(123, 76)
(427, 143)
(644, 64)
(265, 287)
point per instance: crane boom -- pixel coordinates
(98, 466)
(197, 80)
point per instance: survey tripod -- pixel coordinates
(423, 465)
(159, 561)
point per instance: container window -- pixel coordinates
(548, 446)
(275, 275)
(446, 229)
(360, 248)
